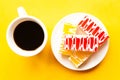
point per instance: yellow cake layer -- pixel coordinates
(79, 57)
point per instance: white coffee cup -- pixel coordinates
(10, 31)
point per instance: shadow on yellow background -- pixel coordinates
(44, 66)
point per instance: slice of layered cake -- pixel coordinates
(77, 57)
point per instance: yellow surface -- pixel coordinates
(44, 66)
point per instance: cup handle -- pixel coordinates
(21, 11)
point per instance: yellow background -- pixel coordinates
(44, 66)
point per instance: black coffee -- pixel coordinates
(28, 35)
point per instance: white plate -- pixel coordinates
(74, 19)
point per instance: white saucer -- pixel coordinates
(74, 19)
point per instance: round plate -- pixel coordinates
(74, 19)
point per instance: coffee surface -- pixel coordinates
(28, 35)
